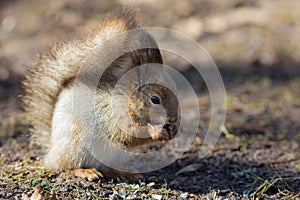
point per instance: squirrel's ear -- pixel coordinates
(119, 67)
(139, 54)
(124, 44)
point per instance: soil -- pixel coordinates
(258, 153)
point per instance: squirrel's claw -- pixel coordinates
(160, 133)
(90, 174)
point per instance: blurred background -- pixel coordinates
(255, 44)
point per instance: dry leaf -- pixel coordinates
(37, 195)
(189, 168)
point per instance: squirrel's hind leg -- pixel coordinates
(66, 146)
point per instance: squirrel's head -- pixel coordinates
(156, 107)
(144, 99)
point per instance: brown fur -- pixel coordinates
(49, 82)
(55, 70)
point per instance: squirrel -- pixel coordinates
(48, 100)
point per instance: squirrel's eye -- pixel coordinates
(155, 100)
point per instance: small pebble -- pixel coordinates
(156, 196)
(150, 184)
(246, 193)
(123, 192)
(184, 195)
(116, 196)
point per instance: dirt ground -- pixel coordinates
(256, 46)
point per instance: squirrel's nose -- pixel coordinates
(166, 126)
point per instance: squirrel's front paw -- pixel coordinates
(89, 174)
(167, 132)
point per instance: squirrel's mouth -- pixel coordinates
(168, 127)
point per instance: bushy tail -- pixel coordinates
(54, 71)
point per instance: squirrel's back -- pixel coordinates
(54, 71)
